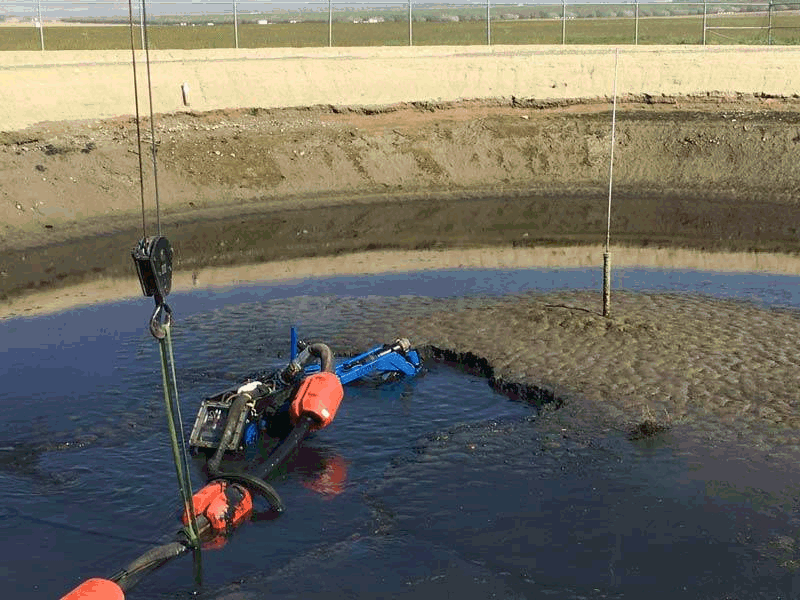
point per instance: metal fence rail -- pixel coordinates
(493, 15)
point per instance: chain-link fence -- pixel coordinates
(53, 24)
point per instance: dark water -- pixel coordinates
(450, 489)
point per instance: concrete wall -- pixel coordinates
(55, 86)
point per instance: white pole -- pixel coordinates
(705, 12)
(410, 30)
(330, 23)
(141, 20)
(235, 24)
(41, 25)
(563, 22)
(488, 23)
(607, 253)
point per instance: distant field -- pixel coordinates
(615, 30)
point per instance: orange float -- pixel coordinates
(224, 504)
(96, 589)
(319, 396)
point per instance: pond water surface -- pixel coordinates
(448, 488)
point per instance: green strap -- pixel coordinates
(170, 386)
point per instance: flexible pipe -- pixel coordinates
(237, 407)
(325, 355)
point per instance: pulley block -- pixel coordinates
(153, 259)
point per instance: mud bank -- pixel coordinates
(720, 371)
(249, 187)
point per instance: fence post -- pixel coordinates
(330, 23)
(410, 31)
(40, 24)
(141, 21)
(563, 22)
(705, 13)
(235, 25)
(769, 25)
(636, 34)
(488, 23)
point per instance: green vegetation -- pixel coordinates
(429, 28)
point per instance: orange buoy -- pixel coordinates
(96, 589)
(319, 396)
(224, 504)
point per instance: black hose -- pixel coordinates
(255, 484)
(286, 447)
(237, 407)
(152, 559)
(324, 354)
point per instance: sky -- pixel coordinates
(56, 9)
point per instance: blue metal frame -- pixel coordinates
(380, 359)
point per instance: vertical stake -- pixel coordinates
(563, 22)
(488, 22)
(769, 25)
(141, 21)
(606, 284)
(705, 13)
(607, 253)
(235, 25)
(410, 30)
(330, 23)
(41, 25)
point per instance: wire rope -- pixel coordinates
(138, 127)
(152, 120)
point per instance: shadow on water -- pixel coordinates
(437, 485)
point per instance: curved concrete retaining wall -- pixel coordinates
(56, 86)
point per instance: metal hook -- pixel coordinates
(156, 328)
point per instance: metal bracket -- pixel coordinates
(156, 327)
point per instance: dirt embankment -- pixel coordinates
(261, 185)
